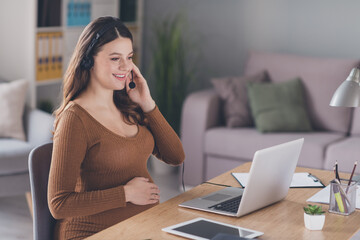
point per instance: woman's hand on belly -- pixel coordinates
(140, 191)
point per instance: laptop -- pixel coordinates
(269, 180)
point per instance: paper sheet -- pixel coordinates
(299, 180)
(324, 194)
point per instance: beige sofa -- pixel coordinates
(211, 148)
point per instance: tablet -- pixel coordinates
(205, 229)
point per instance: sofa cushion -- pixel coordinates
(346, 152)
(320, 76)
(12, 101)
(242, 143)
(13, 156)
(279, 107)
(232, 90)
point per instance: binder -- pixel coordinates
(42, 56)
(78, 13)
(39, 57)
(46, 56)
(300, 180)
(49, 60)
(87, 17)
(59, 55)
(52, 56)
(49, 13)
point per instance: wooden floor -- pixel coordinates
(15, 218)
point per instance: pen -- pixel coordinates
(351, 176)
(337, 171)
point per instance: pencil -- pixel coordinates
(351, 176)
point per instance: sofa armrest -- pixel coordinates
(39, 127)
(201, 111)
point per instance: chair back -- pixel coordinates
(39, 167)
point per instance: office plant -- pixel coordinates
(46, 105)
(313, 210)
(171, 69)
(314, 217)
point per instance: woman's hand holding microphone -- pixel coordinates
(141, 93)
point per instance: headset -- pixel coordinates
(88, 61)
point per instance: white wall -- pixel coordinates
(213, 26)
(17, 23)
(324, 28)
(228, 29)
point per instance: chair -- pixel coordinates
(39, 166)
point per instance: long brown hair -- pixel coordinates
(76, 78)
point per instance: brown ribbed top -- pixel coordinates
(91, 164)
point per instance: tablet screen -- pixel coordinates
(209, 230)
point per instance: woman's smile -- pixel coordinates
(119, 76)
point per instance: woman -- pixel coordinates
(104, 133)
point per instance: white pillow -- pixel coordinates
(12, 101)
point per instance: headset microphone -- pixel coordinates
(132, 85)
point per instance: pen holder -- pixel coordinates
(342, 197)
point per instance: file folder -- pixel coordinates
(39, 57)
(52, 56)
(49, 55)
(46, 56)
(300, 180)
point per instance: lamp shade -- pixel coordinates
(348, 93)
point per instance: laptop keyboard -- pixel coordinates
(231, 205)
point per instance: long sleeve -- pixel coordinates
(69, 151)
(168, 146)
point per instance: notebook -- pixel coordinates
(299, 180)
(270, 176)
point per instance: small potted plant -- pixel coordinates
(314, 217)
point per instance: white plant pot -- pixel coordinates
(314, 222)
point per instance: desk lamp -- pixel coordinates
(348, 93)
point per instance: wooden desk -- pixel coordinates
(282, 220)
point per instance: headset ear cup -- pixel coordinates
(87, 63)
(91, 62)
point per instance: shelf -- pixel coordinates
(50, 29)
(49, 82)
(74, 28)
(47, 18)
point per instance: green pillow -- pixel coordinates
(279, 107)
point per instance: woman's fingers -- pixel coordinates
(155, 196)
(155, 190)
(127, 81)
(136, 70)
(142, 191)
(137, 73)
